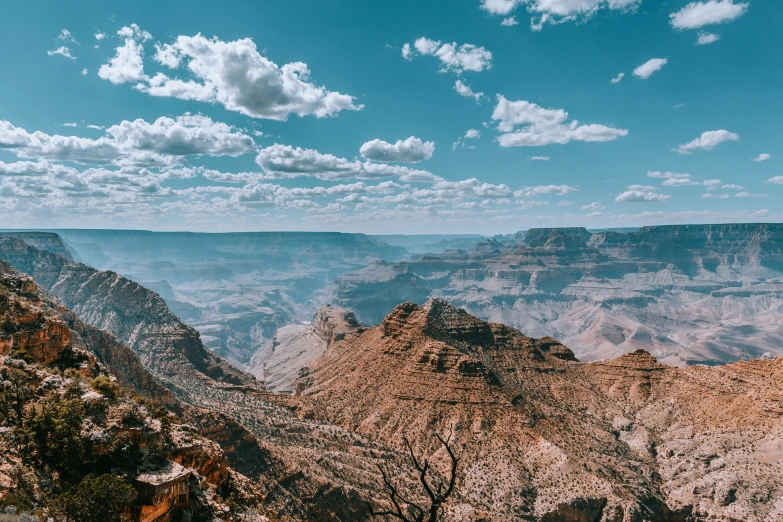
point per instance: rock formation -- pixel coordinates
(545, 437)
(279, 362)
(163, 459)
(688, 294)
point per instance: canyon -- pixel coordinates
(688, 294)
(540, 435)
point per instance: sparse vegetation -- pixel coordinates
(436, 489)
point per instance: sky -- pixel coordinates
(405, 117)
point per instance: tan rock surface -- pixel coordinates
(545, 437)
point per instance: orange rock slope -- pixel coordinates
(545, 437)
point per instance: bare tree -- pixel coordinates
(408, 511)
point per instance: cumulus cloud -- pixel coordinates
(471, 134)
(137, 142)
(233, 74)
(526, 124)
(454, 58)
(712, 184)
(557, 11)
(127, 65)
(707, 38)
(649, 68)
(698, 14)
(777, 180)
(510, 21)
(283, 161)
(412, 150)
(672, 179)
(63, 51)
(541, 190)
(66, 36)
(465, 90)
(618, 78)
(639, 195)
(471, 188)
(594, 206)
(707, 141)
(538, 158)
(762, 157)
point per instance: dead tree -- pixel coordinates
(408, 511)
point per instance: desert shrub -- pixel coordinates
(106, 387)
(52, 435)
(104, 498)
(21, 495)
(16, 393)
(133, 417)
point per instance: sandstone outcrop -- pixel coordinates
(280, 361)
(545, 437)
(688, 294)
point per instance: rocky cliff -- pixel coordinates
(545, 437)
(58, 370)
(689, 294)
(279, 362)
(304, 469)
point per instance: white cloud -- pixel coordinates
(732, 186)
(84, 72)
(136, 142)
(777, 180)
(471, 188)
(595, 206)
(465, 90)
(454, 58)
(698, 14)
(66, 36)
(540, 190)
(407, 52)
(707, 141)
(94, 127)
(70, 124)
(749, 195)
(62, 51)
(565, 203)
(127, 65)
(672, 179)
(618, 78)
(638, 195)
(649, 68)
(510, 21)
(762, 157)
(100, 36)
(233, 74)
(331, 207)
(707, 38)
(557, 11)
(284, 161)
(541, 126)
(471, 134)
(538, 158)
(412, 150)
(712, 184)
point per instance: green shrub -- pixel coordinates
(52, 435)
(106, 387)
(104, 498)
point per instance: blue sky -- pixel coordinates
(186, 116)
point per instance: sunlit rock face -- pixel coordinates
(545, 437)
(688, 294)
